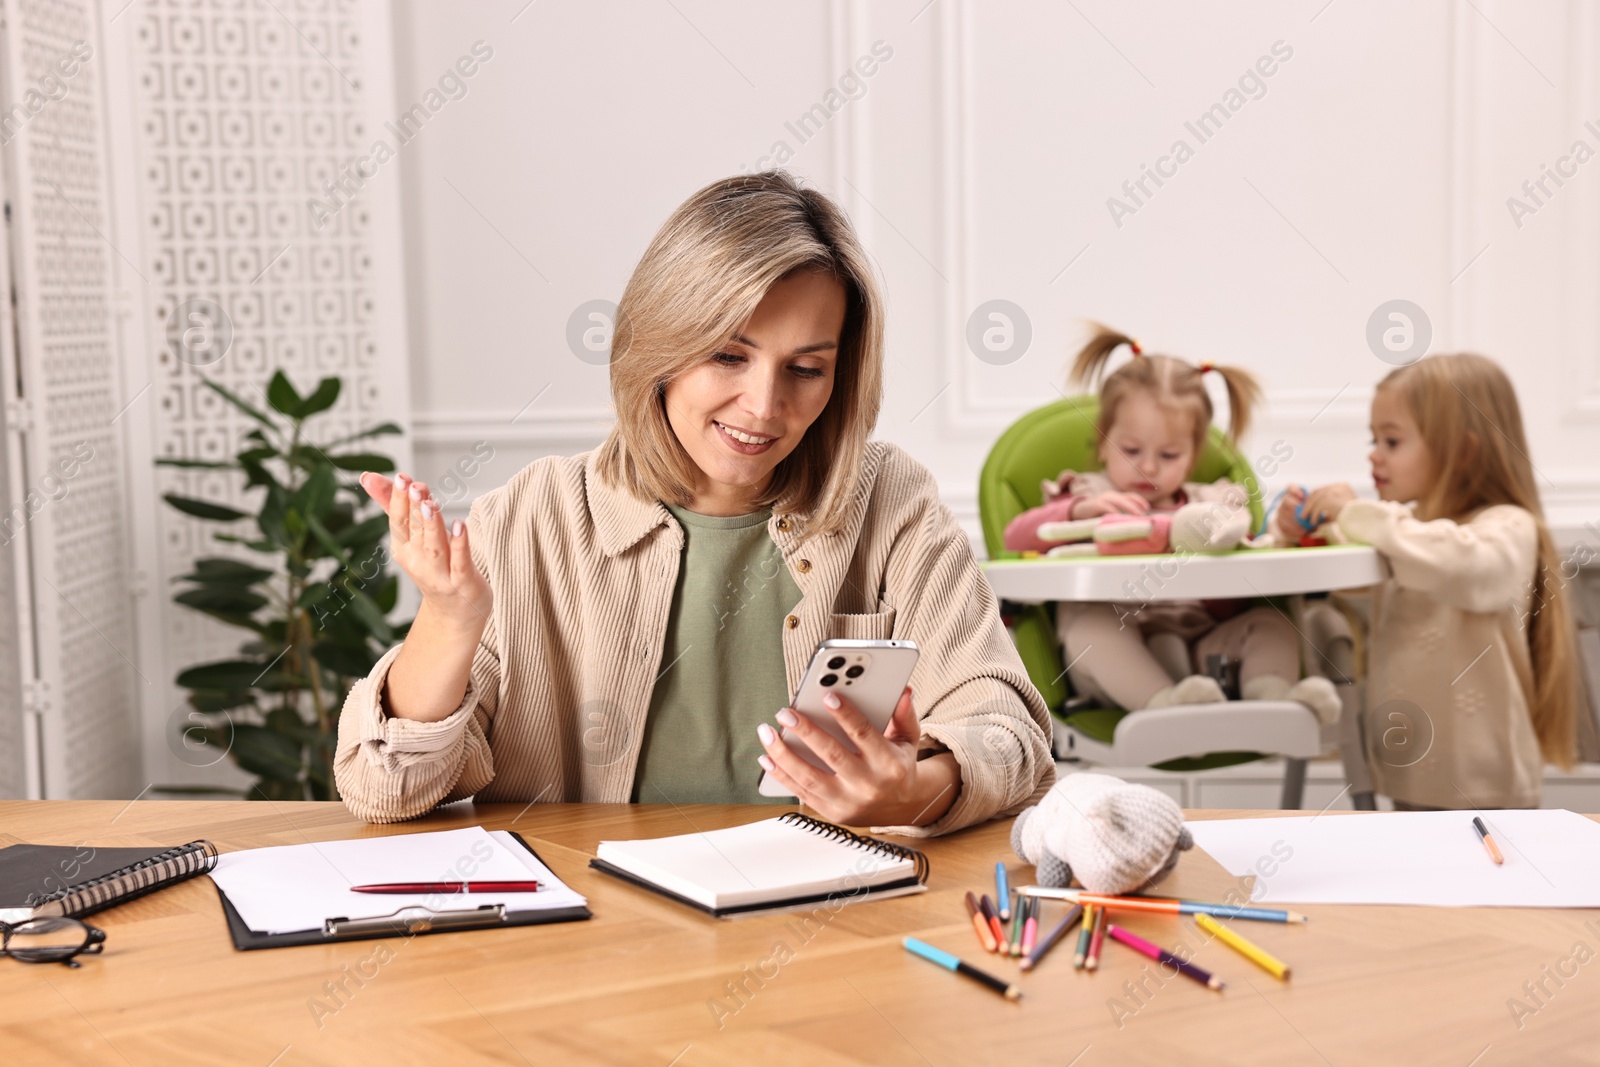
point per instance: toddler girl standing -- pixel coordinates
(1472, 682)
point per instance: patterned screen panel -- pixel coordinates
(248, 111)
(74, 512)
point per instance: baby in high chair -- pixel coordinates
(1154, 416)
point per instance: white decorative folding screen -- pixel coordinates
(71, 694)
(221, 121)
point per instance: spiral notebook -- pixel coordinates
(78, 880)
(781, 864)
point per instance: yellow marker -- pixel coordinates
(1248, 949)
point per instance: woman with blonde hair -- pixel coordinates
(621, 625)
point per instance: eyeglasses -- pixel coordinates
(53, 939)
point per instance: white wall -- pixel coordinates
(977, 165)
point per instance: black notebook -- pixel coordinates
(791, 862)
(79, 880)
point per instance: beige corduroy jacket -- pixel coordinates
(583, 577)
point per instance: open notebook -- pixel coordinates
(777, 864)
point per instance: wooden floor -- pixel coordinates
(651, 982)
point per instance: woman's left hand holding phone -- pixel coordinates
(881, 783)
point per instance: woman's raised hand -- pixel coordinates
(439, 561)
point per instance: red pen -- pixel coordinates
(447, 887)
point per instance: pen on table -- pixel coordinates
(1168, 905)
(1050, 939)
(1488, 841)
(980, 923)
(1101, 921)
(1030, 924)
(1002, 892)
(952, 962)
(1083, 937)
(994, 922)
(1161, 955)
(447, 887)
(1246, 948)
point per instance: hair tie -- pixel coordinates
(1207, 366)
(1134, 347)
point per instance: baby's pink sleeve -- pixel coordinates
(1022, 532)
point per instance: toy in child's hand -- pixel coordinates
(1131, 535)
(1209, 527)
(1112, 836)
(1205, 527)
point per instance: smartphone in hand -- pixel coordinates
(870, 674)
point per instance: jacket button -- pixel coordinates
(791, 622)
(805, 566)
(783, 523)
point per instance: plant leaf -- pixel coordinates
(266, 752)
(374, 431)
(343, 659)
(224, 571)
(249, 409)
(259, 546)
(323, 398)
(365, 531)
(214, 700)
(204, 509)
(222, 600)
(328, 541)
(197, 464)
(282, 396)
(368, 612)
(227, 674)
(363, 461)
(315, 495)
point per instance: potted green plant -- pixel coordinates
(316, 604)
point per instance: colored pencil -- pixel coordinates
(954, 963)
(1167, 905)
(1014, 940)
(980, 924)
(1002, 892)
(1030, 924)
(1061, 930)
(1161, 955)
(1244, 947)
(994, 921)
(1083, 937)
(1092, 960)
(1488, 841)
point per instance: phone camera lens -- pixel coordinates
(835, 663)
(829, 679)
(854, 672)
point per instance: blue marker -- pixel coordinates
(954, 963)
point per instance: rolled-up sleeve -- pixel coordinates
(972, 692)
(389, 769)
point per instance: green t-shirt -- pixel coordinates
(722, 667)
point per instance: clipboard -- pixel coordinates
(406, 921)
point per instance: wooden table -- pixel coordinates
(642, 982)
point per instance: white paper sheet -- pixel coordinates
(1552, 858)
(288, 888)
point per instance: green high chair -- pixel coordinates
(1062, 436)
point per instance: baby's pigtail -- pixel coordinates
(1244, 397)
(1090, 362)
